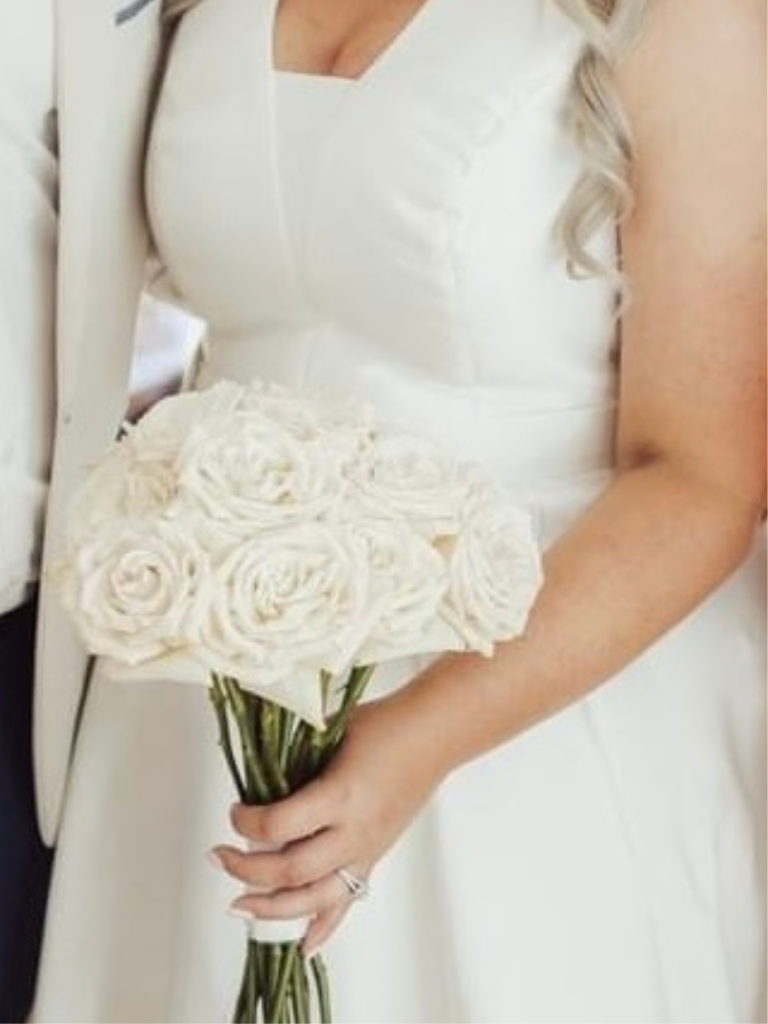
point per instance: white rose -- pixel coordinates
(307, 415)
(137, 589)
(348, 426)
(342, 426)
(412, 479)
(287, 601)
(138, 476)
(162, 431)
(249, 474)
(409, 579)
(284, 407)
(123, 485)
(495, 575)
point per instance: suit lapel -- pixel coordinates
(86, 40)
(106, 74)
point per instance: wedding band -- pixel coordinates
(357, 888)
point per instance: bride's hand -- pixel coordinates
(344, 821)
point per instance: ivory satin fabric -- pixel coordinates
(604, 867)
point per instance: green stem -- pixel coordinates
(246, 1008)
(305, 739)
(269, 721)
(287, 955)
(240, 1016)
(252, 1000)
(272, 961)
(260, 790)
(297, 756)
(289, 726)
(263, 976)
(327, 741)
(300, 991)
(322, 987)
(219, 701)
(358, 681)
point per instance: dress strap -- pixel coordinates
(227, 71)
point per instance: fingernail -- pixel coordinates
(215, 859)
(239, 913)
(311, 952)
(241, 905)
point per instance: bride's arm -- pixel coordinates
(681, 513)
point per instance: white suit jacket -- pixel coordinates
(107, 65)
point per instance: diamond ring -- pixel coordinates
(357, 888)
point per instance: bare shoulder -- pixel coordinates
(713, 45)
(694, 90)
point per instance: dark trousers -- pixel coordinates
(24, 860)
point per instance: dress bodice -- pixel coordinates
(424, 274)
(306, 106)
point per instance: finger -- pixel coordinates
(306, 901)
(322, 927)
(300, 863)
(310, 809)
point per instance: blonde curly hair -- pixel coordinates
(595, 118)
(597, 122)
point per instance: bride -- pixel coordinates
(423, 203)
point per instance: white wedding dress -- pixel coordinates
(391, 237)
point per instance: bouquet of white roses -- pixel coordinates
(276, 547)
